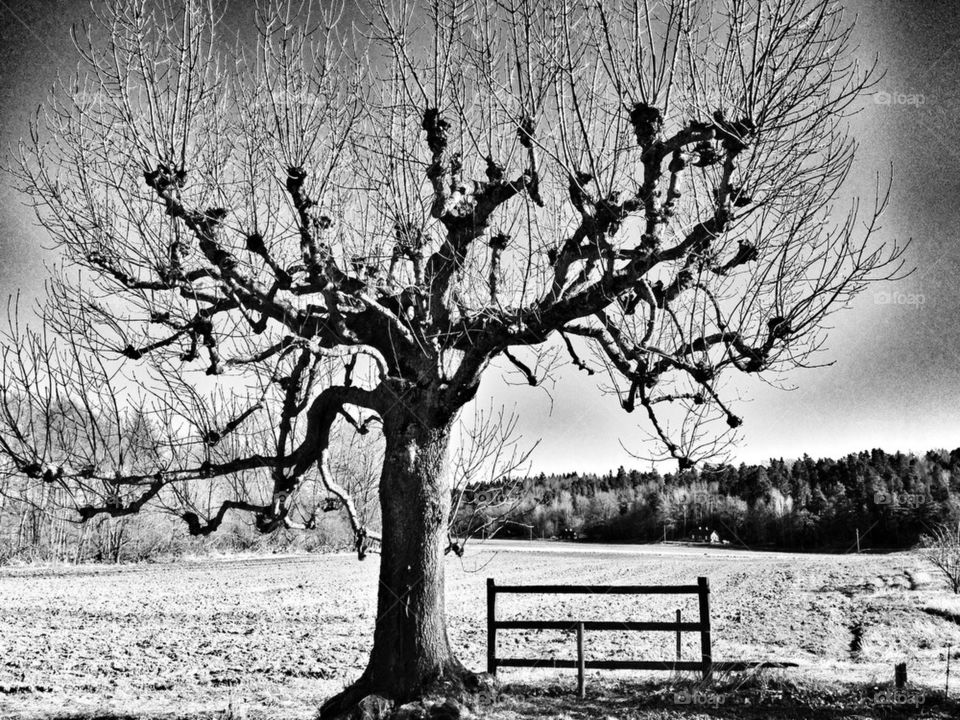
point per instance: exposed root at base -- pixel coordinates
(450, 696)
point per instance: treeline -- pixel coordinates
(39, 524)
(891, 499)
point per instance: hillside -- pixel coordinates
(891, 499)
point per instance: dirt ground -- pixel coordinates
(271, 637)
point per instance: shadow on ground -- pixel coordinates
(216, 715)
(738, 699)
(752, 698)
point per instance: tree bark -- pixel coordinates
(411, 654)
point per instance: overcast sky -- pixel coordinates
(895, 381)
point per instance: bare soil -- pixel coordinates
(271, 637)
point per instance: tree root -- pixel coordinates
(448, 696)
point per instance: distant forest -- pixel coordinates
(891, 499)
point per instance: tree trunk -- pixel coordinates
(411, 654)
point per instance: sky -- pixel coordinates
(894, 381)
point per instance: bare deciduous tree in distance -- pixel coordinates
(350, 218)
(942, 549)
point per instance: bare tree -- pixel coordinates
(350, 221)
(488, 455)
(942, 549)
